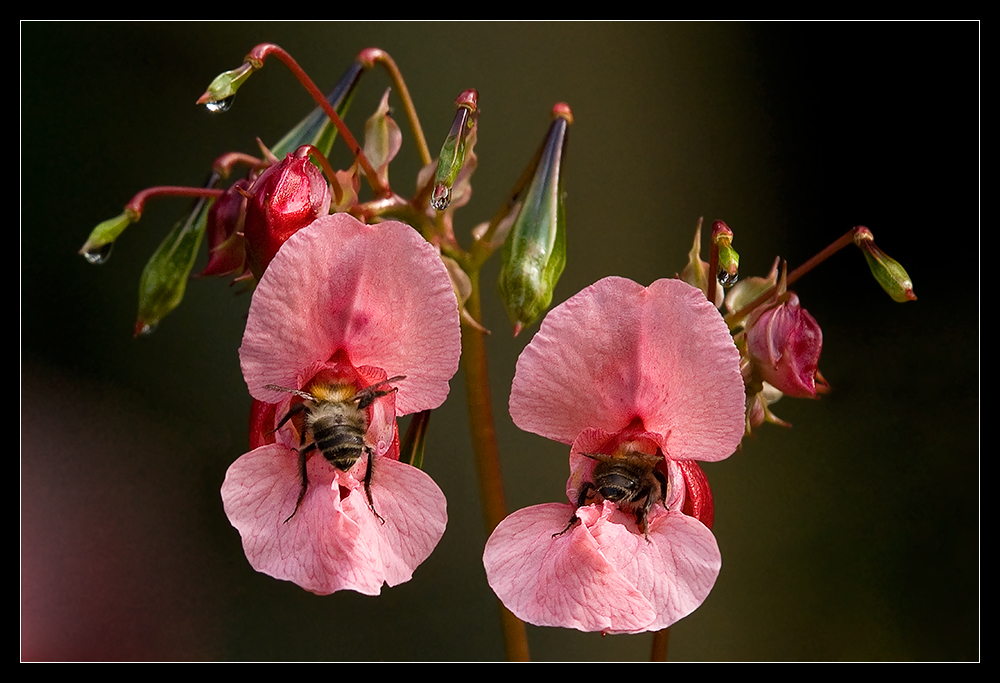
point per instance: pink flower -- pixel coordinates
(343, 306)
(784, 343)
(642, 381)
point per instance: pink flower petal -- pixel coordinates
(333, 542)
(380, 293)
(601, 575)
(619, 351)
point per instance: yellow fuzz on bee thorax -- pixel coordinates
(332, 392)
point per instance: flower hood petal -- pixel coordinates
(618, 351)
(378, 293)
(333, 541)
(601, 575)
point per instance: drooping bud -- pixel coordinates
(226, 243)
(887, 271)
(784, 343)
(534, 253)
(452, 157)
(285, 198)
(222, 89)
(97, 248)
(164, 279)
(729, 260)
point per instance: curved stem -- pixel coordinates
(484, 443)
(265, 50)
(138, 202)
(841, 242)
(374, 55)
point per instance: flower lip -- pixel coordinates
(601, 575)
(377, 294)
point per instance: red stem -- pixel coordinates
(138, 202)
(841, 242)
(265, 50)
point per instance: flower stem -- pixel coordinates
(660, 640)
(484, 443)
(138, 202)
(841, 242)
(373, 55)
(261, 52)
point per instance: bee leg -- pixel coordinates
(297, 408)
(580, 501)
(305, 478)
(368, 483)
(642, 512)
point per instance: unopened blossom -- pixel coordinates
(350, 305)
(647, 377)
(285, 198)
(784, 343)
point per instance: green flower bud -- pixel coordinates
(452, 156)
(163, 280)
(222, 90)
(97, 248)
(534, 252)
(729, 260)
(887, 271)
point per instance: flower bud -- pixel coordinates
(164, 279)
(97, 248)
(452, 157)
(729, 260)
(221, 91)
(784, 343)
(887, 271)
(534, 253)
(286, 197)
(226, 244)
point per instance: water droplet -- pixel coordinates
(727, 280)
(100, 254)
(441, 197)
(144, 329)
(220, 105)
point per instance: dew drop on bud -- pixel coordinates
(726, 279)
(143, 329)
(100, 254)
(220, 105)
(441, 197)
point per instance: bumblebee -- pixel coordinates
(335, 423)
(628, 478)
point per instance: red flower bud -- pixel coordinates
(224, 232)
(285, 198)
(784, 343)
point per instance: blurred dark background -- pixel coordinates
(852, 536)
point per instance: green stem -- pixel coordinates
(484, 444)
